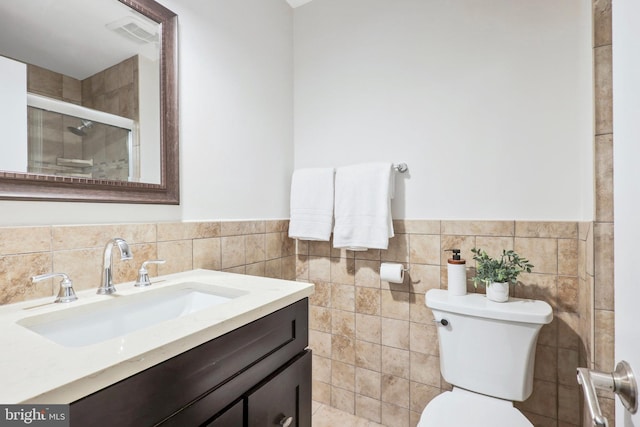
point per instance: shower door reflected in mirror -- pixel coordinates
(80, 71)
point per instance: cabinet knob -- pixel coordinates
(286, 421)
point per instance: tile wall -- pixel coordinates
(602, 354)
(259, 248)
(375, 345)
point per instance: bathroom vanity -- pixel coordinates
(242, 362)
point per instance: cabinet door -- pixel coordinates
(231, 417)
(285, 398)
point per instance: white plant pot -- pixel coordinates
(498, 292)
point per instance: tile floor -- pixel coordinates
(326, 416)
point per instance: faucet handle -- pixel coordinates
(143, 274)
(66, 292)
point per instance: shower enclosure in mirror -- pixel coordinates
(88, 101)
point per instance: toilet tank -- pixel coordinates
(488, 347)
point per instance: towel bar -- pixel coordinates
(401, 167)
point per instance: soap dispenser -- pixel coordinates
(457, 274)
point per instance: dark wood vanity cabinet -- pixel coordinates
(256, 375)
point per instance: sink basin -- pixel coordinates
(93, 323)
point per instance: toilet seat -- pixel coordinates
(462, 408)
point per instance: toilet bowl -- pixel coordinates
(462, 408)
(487, 353)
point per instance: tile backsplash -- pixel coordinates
(253, 247)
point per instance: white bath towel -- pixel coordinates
(311, 204)
(363, 206)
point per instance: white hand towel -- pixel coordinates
(311, 204)
(363, 206)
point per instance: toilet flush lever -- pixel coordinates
(443, 322)
(621, 381)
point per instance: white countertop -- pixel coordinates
(34, 369)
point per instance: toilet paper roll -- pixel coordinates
(393, 273)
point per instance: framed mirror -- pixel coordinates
(90, 101)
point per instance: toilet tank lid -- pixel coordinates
(516, 309)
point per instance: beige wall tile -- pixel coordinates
(273, 245)
(207, 253)
(368, 383)
(274, 268)
(422, 226)
(541, 252)
(604, 265)
(288, 267)
(321, 369)
(321, 294)
(603, 89)
(542, 287)
(239, 228)
(343, 400)
(422, 277)
(601, 22)
(604, 177)
(568, 330)
(561, 230)
(254, 248)
(368, 328)
(398, 250)
(604, 340)
(367, 300)
(546, 366)
(418, 311)
(568, 257)
(395, 390)
(20, 240)
(343, 297)
(394, 415)
(343, 323)
(343, 375)
(15, 277)
(319, 268)
(97, 236)
(320, 343)
(187, 230)
(367, 407)
(421, 395)
(322, 249)
(257, 269)
(395, 304)
(543, 400)
(320, 318)
(127, 270)
(479, 228)
(368, 355)
(568, 294)
(232, 251)
(367, 273)
(395, 333)
(568, 362)
(424, 249)
(321, 392)
(343, 349)
(425, 368)
(178, 255)
(343, 271)
(395, 361)
(83, 266)
(424, 338)
(277, 225)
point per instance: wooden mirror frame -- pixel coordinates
(28, 186)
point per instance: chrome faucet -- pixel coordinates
(107, 288)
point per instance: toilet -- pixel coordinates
(487, 352)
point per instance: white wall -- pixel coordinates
(236, 107)
(489, 103)
(236, 143)
(13, 115)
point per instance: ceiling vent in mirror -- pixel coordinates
(135, 30)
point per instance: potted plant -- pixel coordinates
(498, 273)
